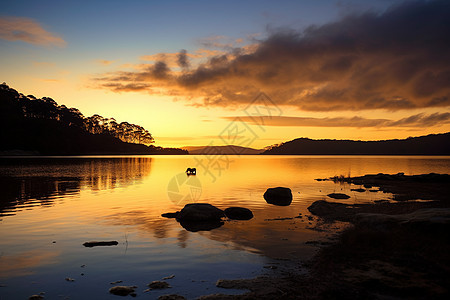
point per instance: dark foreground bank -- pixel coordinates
(391, 250)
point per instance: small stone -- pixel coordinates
(36, 297)
(338, 196)
(122, 290)
(116, 282)
(157, 285)
(69, 279)
(169, 277)
(102, 243)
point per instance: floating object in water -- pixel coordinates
(95, 243)
(191, 171)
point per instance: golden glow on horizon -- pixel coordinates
(174, 124)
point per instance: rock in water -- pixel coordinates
(338, 196)
(331, 210)
(200, 212)
(122, 290)
(280, 196)
(158, 285)
(195, 226)
(95, 243)
(238, 213)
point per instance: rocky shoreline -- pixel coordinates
(391, 250)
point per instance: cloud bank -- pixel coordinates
(414, 121)
(399, 59)
(29, 31)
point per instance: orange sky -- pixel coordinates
(364, 72)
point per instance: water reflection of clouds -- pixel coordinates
(30, 182)
(20, 264)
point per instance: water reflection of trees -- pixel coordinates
(28, 182)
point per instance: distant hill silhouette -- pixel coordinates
(433, 144)
(227, 150)
(41, 126)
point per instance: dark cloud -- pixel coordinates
(399, 59)
(159, 70)
(182, 59)
(419, 120)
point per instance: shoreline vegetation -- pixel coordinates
(32, 126)
(390, 250)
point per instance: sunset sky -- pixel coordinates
(192, 72)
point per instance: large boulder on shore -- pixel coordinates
(200, 212)
(280, 196)
(238, 213)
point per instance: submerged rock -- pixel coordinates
(95, 243)
(330, 210)
(200, 212)
(122, 290)
(36, 297)
(238, 213)
(280, 196)
(338, 196)
(158, 285)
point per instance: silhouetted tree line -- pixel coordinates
(41, 125)
(29, 106)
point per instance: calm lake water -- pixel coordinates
(50, 206)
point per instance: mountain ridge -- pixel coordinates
(432, 144)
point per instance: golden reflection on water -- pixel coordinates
(36, 182)
(73, 200)
(20, 264)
